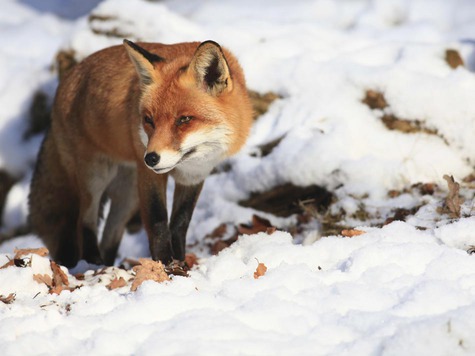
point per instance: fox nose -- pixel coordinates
(151, 159)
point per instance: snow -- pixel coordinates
(401, 288)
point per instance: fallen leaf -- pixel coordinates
(191, 260)
(258, 224)
(218, 232)
(42, 251)
(59, 277)
(260, 270)
(101, 271)
(9, 299)
(218, 246)
(8, 264)
(352, 232)
(271, 230)
(80, 276)
(176, 268)
(453, 200)
(43, 278)
(375, 100)
(148, 270)
(470, 178)
(401, 214)
(60, 280)
(116, 283)
(427, 188)
(453, 58)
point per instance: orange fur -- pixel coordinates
(185, 106)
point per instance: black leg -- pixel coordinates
(90, 248)
(153, 206)
(184, 202)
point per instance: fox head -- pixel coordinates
(190, 109)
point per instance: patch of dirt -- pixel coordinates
(401, 214)
(261, 102)
(453, 58)
(266, 148)
(65, 60)
(407, 126)
(375, 100)
(284, 200)
(112, 31)
(257, 225)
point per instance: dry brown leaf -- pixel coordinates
(427, 188)
(218, 246)
(8, 264)
(80, 276)
(375, 100)
(43, 278)
(148, 270)
(42, 251)
(470, 178)
(352, 232)
(218, 232)
(177, 268)
(191, 260)
(260, 270)
(259, 224)
(60, 280)
(116, 283)
(55, 284)
(453, 58)
(59, 277)
(453, 200)
(101, 271)
(8, 299)
(271, 230)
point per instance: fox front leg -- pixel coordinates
(184, 202)
(153, 208)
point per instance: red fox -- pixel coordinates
(124, 119)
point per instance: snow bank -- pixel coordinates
(381, 292)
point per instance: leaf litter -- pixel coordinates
(133, 273)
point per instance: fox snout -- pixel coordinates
(162, 161)
(151, 159)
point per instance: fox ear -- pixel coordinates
(210, 68)
(143, 61)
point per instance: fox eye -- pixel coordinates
(184, 120)
(149, 120)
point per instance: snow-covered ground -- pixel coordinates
(401, 288)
